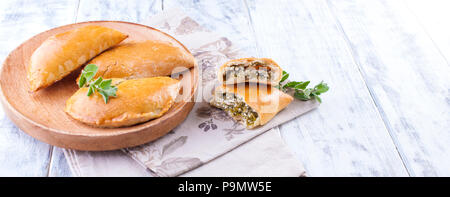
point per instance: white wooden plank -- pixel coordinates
(228, 18)
(20, 154)
(59, 166)
(345, 136)
(131, 11)
(21, 19)
(433, 15)
(408, 77)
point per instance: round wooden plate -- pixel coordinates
(42, 115)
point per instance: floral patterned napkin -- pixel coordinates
(207, 133)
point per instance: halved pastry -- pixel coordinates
(137, 100)
(142, 59)
(250, 104)
(255, 70)
(63, 53)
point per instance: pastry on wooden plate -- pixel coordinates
(255, 70)
(250, 104)
(142, 59)
(136, 101)
(63, 53)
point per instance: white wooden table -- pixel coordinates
(387, 63)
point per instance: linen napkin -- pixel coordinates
(266, 155)
(208, 142)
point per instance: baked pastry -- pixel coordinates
(137, 100)
(255, 70)
(250, 104)
(63, 53)
(142, 59)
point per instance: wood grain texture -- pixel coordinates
(433, 16)
(21, 19)
(407, 76)
(227, 18)
(20, 154)
(130, 10)
(345, 136)
(58, 166)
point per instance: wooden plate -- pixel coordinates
(42, 115)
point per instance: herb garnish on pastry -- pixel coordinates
(136, 101)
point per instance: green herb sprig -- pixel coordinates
(300, 87)
(103, 87)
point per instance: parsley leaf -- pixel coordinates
(285, 76)
(103, 87)
(90, 91)
(291, 84)
(301, 95)
(321, 88)
(302, 85)
(87, 74)
(301, 91)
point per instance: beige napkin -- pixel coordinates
(208, 142)
(266, 155)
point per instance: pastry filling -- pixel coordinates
(236, 107)
(254, 71)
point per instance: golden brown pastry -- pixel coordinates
(255, 70)
(63, 53)
(142, 59)
(137, 100)
(250, 104)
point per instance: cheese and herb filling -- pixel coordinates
(235, 107)
(254, 71)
